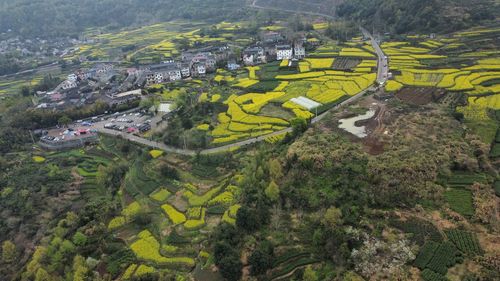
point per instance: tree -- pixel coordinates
(80, 270)
(272, 191)
(42, 275)
(79, 239)
(299, 125)
(332, 217)
(25, 91)
(247, 219)
(168, 171)
(8, 251)
(262, 258)
(275, 169)
(64, 120)
(230, 268)
(310, 274)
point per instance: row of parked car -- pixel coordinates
(130, 129)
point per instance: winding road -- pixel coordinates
(381, 78)
(382, 63)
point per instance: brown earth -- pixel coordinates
(419, 96)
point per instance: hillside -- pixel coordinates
(419, 15)
(321, 7)
(61, 18)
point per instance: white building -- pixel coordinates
(284, 52)
(72, 77)
(253, 56)
(66, 85)
(199, 69)
(299, 51)
(174, 74)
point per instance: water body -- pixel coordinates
(348, 124)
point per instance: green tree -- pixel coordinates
(332, 217)
(80, 270)
(299, 125)
(272, 191)
(64, 120)
(8, 251)
(42, 275)
(275, 169)
(310, 274)
(25, 91)
(262, 258)
(230, 268)
(79, 239)
(247, 219)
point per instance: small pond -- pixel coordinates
(348, 124)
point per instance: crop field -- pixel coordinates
(274, 84)
(460, 201)
(421, 230)
(349, 63)
(154, 43)
(437, 258)
(466, 242)
(462, 63)
(179, 211)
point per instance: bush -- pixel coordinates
(169, 172)
(465, 241)
(421, 230)
(429, 275)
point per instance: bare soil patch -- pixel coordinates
(345, 63)
(419, 96)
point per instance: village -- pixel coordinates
(122, 87)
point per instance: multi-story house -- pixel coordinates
(284, 52)
(253, 55)
(299, 51)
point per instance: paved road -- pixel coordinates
(381, 77)
(383, 64)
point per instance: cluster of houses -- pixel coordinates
(194, 63)
(82, 87)
(274, 47)
(197, 63)
(119, 86)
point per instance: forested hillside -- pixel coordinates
(60, 17)
(402, 16)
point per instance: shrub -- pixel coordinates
(429, 275)
(425, 254)
(465, 241)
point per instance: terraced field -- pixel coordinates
(278, 84)
(182, 212)
(461, 63)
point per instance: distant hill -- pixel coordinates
(402, 16)
(395, 16)
(322, 7)
(61, 17)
